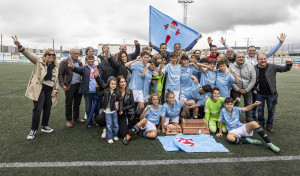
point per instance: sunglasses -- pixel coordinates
(50, 54)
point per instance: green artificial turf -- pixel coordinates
(85, 144)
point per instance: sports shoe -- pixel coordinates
(254, 141)
(103, 135)
(126, 139)
(85, 116)
(273, 147)
(31, 134)
(270, 128)
(116, 138)
(46, 129)
(110, 141)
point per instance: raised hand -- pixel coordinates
(200, 37)
(209, 40)
(96, 72)
(70, 65)
(151, 45)
(288, 62)
(282, 37)
(16, 41)
(223, 41)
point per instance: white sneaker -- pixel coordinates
(46, 129)
(103, 135)
(110, 141)
(31, 134)
(85, 116)
(116, 138)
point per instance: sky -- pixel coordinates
(82, 23)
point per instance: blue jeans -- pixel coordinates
(270, 101)
(89, 101)
(253, 114)
(112, 126)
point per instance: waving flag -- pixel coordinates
(164, 29)
(191, 143)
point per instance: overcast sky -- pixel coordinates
(88, 22)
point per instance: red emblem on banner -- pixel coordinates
(172, 30)
(189, 142)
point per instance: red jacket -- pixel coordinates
(209, 57)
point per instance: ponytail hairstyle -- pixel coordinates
(110, 79)
(151, 97)
(169, 92)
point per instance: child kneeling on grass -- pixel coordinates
(149, 120)
(110, 107)
(237, 130)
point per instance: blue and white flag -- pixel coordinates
(164, 29)
(191, 143)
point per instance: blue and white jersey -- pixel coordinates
(203, 78)
(173, 77)
(211, 78)
(147, 80)
(194, 94)
(185, 77)
(175, 111)
(232, 121)
(224, 82)
(136, 81)
(153, 115)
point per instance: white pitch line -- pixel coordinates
(147, 162)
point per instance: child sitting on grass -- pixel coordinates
(149, 120)
(237, 130)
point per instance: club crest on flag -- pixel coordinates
(188, 142)
(164, 29)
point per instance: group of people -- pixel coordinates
(141, 93)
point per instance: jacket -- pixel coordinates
(85, 72)
(246, 74)
(106, 96)
(35, 85)
(271, 70)
(106, 68)
(65, 74)
(120, 69)
(127, 102)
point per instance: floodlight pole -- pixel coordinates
(53, 43)
(185, 4)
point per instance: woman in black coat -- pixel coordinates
(126, 103)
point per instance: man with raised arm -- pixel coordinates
(133, 55)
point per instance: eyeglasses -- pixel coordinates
(50, 54)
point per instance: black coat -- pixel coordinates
(106, 97)
(120, 69)
(127, 102)
(107, 69)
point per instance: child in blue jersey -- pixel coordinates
(193, 62)
(225, 80)
(203, 63)
(237, 131)
(136, 83)
(173, 71)
(172, 109)
(196, 96)
(150, 119)
(147, 76)
(211, 74)
(187, 76)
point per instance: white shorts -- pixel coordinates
(148, 127)
(176, 93)
(138, 95)
(241, 131)
(171, 120)
(146, 98)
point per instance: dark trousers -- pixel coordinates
(44, 103)
(247, 101)
(270, 99)
(72, 98)
(125, 123)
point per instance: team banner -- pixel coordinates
(191, 143)
(164, 29)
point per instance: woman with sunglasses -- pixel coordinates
(42, 87)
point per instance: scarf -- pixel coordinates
(49, 71)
